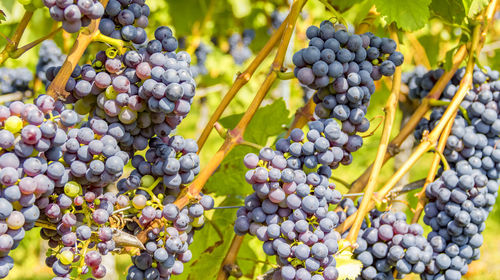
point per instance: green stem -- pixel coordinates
(439, 103)
(343, 182)
(220, 130)
(117, 43)
(443, 158)
(337, 15)
(285, 75)
(250, 144)
(155, 183)
(154, 199)
(19, 51)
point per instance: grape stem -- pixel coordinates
(337, 15)
(439, 103)
(431, 175)
(117, 43)
(489, 12)
(220, 130)
(223, 134)
(367, 22)
(408, 129)
(228, 207)
(18, 95)
(251, 144)
(14, 41)
(390, 115)
(231, 255)
(340, 180)
(240, 81)
(20, 51)
(439, 152)
(85, 37)
(285, 75)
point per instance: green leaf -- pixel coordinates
(451, 11)
(410, 15)
(343, 5)
(348, 267)
(473, 7)
(449, 59)
(2, 16)
(229, 179)
(260, 127)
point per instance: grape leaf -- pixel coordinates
(229, 179)
(473, 7)
(343, 5)
(260, 127)
(451, 11)
(348, 267)
(412, 15)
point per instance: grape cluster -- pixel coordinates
(390, 245)
(166, 249)
(291, 184)
(74, 14)
(344, 61)
(327, 145)
(343, 68)
(201, 53)
(14, 79)
(173, 163)
(83, 231)
(26, 175)
(139, 94)
(289, 212)
(126, 20)
(58, 157)
(49, 55)
(239, 45)
(461, 198)
(47, 164)
(159, 177)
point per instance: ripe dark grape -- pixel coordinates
(75, 14)
(15, 79)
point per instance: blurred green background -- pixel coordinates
(212, 23)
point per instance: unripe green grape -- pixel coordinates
(72, 189)
(147, 181)
(127, 116)
(66, 257)
(110, 93)
(82, 107)
(13, 124)
(24, 2)
(37, 4)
